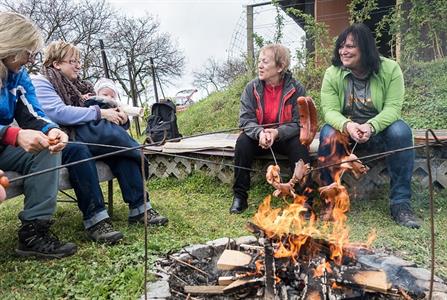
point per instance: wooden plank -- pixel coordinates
(419, 135)
(241, 284)
(232, 259)
(369, 280)
(204, 289)
(226, 280)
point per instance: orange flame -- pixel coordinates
(325, 266)
(288, 229)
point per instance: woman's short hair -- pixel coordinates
(364, 40)
(56, 51)
(18, 36)
(281, 55)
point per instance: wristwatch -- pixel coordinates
(373, 130)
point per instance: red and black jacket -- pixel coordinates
(252, 106)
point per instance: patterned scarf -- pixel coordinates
(70, 91)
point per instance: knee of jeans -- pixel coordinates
(326, 132)
(76, 152)
(399, 131)
(51, 159)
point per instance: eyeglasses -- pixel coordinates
(74, 62)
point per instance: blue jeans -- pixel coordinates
(400, 164)
(85, 182)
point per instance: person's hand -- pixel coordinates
(88, 95)
(122, 115)
(4, 182)
(264, 138)
(111, 115)
(273, 135)
(355, 132)
(32, 140)
(267, 137)
(57, 140)
(366, 132)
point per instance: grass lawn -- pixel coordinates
(198, 211)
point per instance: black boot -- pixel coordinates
(238, 206)
(36, 239)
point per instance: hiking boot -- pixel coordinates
(36, 239)
(153, 218)
(404, 216)
(103, 232)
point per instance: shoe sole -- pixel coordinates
(25, 253)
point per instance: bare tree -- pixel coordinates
(214, 75)
(208, 77)
(84, 22)
(80, 23)
(232, 69)
(135, 40)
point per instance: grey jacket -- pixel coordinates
(252, 108)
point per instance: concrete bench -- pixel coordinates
(104, 174)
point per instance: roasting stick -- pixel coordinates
(273, 154)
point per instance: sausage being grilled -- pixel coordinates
(308, 120)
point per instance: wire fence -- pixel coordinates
(264, 25)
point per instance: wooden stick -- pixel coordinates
(191, 266)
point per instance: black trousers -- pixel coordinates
(247, 149)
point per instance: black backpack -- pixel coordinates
(162, 123)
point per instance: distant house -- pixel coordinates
(335, 14)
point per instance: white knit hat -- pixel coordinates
(106, 83)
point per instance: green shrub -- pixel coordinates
(425, 103)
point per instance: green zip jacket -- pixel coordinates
(387, 93)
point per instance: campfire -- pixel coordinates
(296, 255)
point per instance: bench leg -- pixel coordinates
(110, 196)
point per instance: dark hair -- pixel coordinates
(369, 55)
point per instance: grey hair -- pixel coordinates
(18, 34)
(281, 55)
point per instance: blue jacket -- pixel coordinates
(18, 101)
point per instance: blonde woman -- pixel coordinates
(29, 147)
(62, 96)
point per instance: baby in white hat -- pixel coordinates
(106, 88)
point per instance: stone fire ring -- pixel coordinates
(396, 269)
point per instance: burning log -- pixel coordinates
(269, 272)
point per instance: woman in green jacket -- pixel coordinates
(361, 96)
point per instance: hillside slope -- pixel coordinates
(425, 103)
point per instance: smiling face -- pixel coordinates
(350, 54)
(70, 65)
(267, 68)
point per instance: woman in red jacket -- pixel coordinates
(268, 99)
